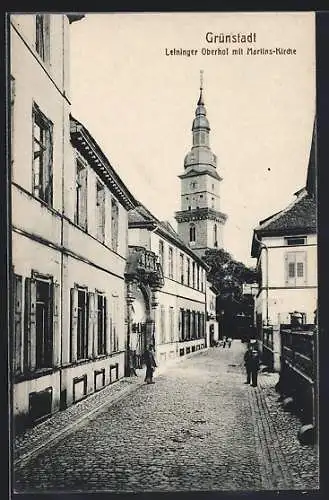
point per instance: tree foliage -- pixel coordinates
(227, 275)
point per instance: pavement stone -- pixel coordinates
(198, 428)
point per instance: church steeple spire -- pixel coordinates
(200, 222)
(200, 101)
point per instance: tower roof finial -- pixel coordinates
(200, 101)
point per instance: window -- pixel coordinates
(81, 187)
(42, 36)
(188, 271)
(193, 184)
(201, 195)
(213, 187)
(17, 322)
(161, 252)
(42, 156)
(201, 279)
(181, 268)
(162, 325)
(82, 333)
(114, 337)
(198, 277)
(181, 326)
(215, 236)
(300, 240)
(171, 324)
(41, 316)
(12, 104)
(295, 268)
(114, 224)
(101, 323)
(100, 211)
(171, 262)
(192, 233)
(212, 202)
(193, 274)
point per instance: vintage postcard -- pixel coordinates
(164, 242)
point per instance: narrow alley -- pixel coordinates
(199, 427)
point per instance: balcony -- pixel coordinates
(144, 266)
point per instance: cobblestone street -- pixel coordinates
(199, 427)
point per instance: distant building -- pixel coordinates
(285, 245)
(168, 301)
(199, 222)
(212, 325)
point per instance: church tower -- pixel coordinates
(200, 222)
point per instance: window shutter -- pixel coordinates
(56, 331)
(17, 344)
(290, 268)
(301, 268)
(48, 166)
(84, 196)
(74, 323)
(108, 328)
(30, 334)
(91, 323)
(105, 326)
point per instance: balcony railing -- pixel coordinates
(143, 265)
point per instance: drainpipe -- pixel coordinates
(263, 246)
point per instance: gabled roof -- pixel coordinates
(297, 218)
(141, 217)
(299, 215)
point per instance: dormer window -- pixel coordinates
(295, 241)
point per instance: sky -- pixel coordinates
(139, 103)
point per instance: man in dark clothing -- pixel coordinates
(150, 363)
(251, 362)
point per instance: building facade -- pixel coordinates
(200, 222)
(285, 246)
(172, 316)
(69, 233)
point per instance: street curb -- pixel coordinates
(76, 424)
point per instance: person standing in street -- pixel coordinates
(251, 362)
(150, 364)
